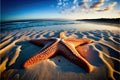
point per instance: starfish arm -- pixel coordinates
(75, 57)
(83, 51)
(62, 35)
(77, 42)
(41, 42)
(42, 55)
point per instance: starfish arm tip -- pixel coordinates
(62, 35)
(26, 64)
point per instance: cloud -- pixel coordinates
(75, 1)
(97, 5)
(109, 8)
(60, 3)
(73, 7)
(68, 7)
(84, 4)
(87, 0)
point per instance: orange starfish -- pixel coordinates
(64, 45)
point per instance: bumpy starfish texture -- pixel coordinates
(63, 45)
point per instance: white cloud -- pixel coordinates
(76, 7)
(97, 5)
(73, 7)
(60, 3)
(109, 8)
(75, 1)
(86, 0)
(84, 4)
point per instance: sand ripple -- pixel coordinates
(103, 54)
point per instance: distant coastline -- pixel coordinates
(102, 20)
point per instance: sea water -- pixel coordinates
(33, 23)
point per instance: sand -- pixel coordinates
(103, 54)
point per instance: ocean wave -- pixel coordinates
(25, 24)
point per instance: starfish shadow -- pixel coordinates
(24, 54)
(65, 65)
(62, 63)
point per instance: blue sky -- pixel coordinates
(55, 9)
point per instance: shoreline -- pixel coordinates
(83, 25)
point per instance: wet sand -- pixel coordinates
(103, 54)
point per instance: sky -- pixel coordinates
(59, 9)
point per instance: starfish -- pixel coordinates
(63, 45)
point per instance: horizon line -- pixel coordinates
(53, 19)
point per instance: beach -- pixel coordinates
(103, 53)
